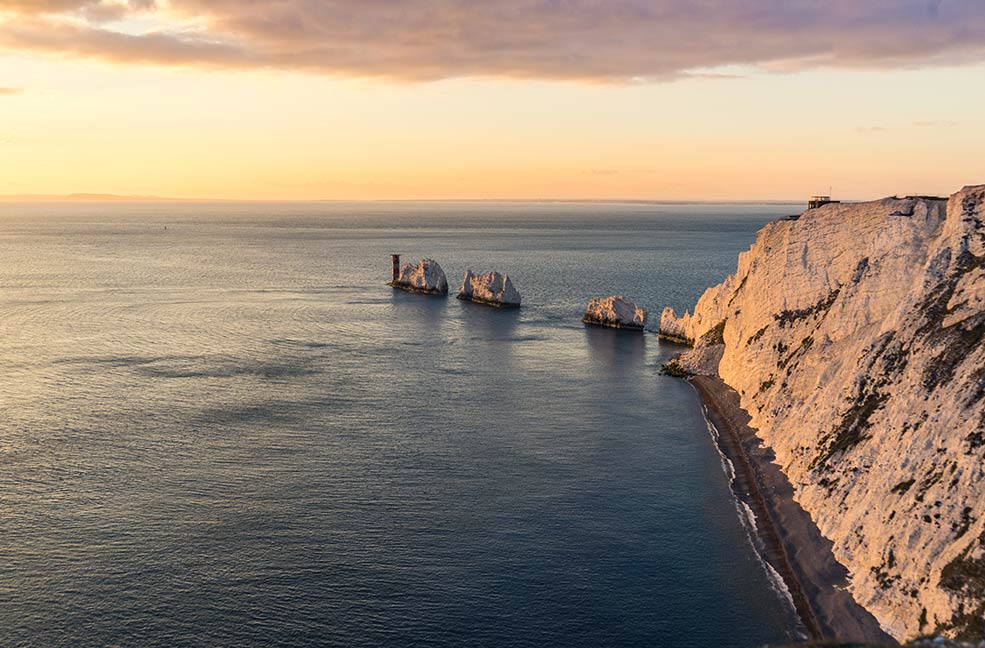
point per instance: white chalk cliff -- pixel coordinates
(854, 337)
(425, 276)
(489, 288)
(615, 311)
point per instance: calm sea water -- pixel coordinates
(220, 427)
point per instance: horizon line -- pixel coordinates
(117, 198)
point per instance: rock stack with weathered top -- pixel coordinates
(855, 338)
(615, 312)
(490, 288)
(424, 277)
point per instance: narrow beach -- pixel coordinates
(792, 543)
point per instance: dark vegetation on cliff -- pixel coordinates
(789, 317)
(956, 341)
(965, 575)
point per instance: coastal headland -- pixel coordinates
(851, 340)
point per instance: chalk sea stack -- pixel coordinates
(425, 277)
(854, 337)
(615, 312)
(490, 288)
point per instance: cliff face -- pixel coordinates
(854, 336)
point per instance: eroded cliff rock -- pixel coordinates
(426, 276)
(854, 336)
(616, 312)
(490, 288)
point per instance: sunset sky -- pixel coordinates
(354, 99)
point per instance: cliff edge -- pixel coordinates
(854, 337)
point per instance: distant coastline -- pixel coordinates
(86, 198)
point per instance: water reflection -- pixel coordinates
(615, 349)
(488, 322)
(427, 310)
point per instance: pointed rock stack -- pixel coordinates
(615, 312)
(424, 277)
(490, 288)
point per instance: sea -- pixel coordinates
(220, 427)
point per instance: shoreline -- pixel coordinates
(792, 545)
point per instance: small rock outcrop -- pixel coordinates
(676, 329)
(700, 361)
(616, 312)
(424, 277)
(489, 288)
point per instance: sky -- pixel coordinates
(508, 99)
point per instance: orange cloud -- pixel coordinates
(71, 39)
(616, 40)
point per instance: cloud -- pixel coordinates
(169, 48)
(592, 40)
